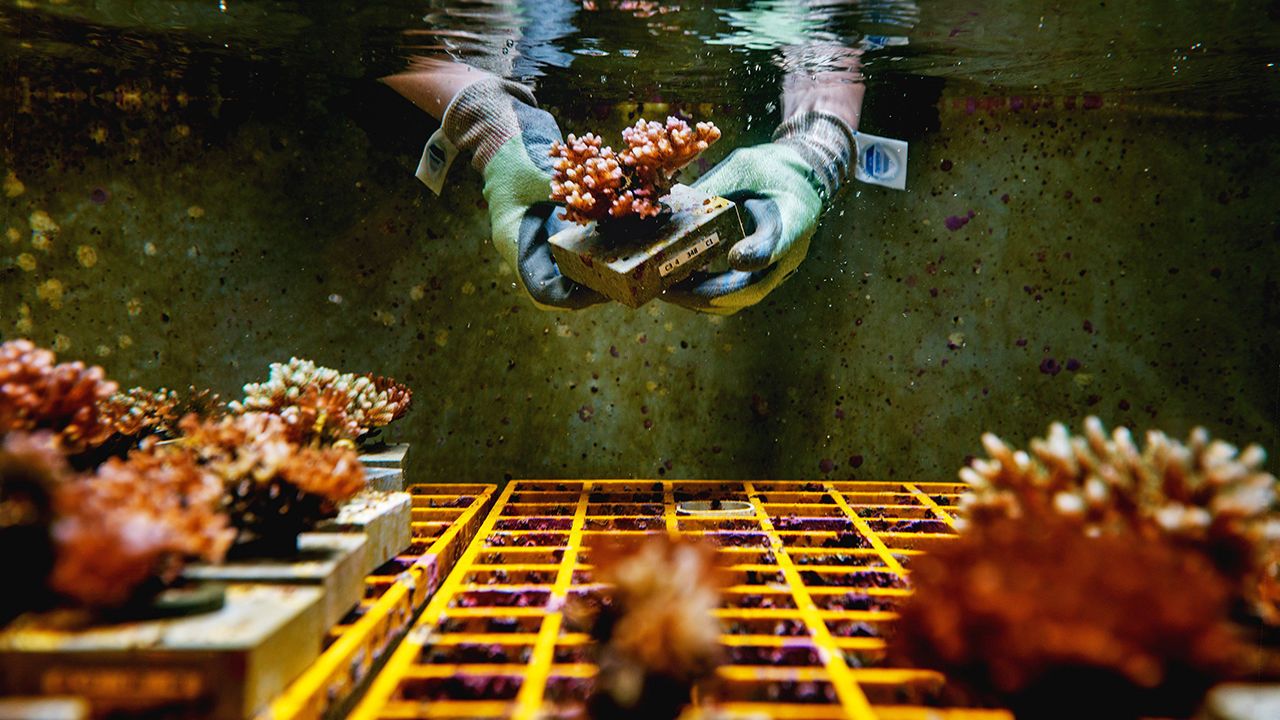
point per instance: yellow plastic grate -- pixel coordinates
(445, 519)
(816, 567)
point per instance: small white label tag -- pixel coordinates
(881, 161)
(437, 156)
(698, 248)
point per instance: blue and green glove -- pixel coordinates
(781, 187)
(510, 139)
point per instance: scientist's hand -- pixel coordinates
(510, 139)
(781, 188)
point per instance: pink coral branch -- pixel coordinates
(595, 183)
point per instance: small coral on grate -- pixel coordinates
(324, 404)
(1032, 614)
(128, 529)
(37, 393)
(595, 183)
(1203, 493)
(30, 471)
(655, 627)
(275, 487)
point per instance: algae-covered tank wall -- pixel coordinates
(190, 194)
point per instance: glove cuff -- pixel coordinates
(483, 116)
(826, 143)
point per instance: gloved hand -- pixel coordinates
(510, 139)
(781, 188)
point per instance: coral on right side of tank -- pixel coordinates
(1204, 494)
(1037, 617)
(1096, 578)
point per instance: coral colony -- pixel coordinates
(655, 627)
(1097, 578)
(106, 515)
(275, 488)
(596, 183)
(323, 404)
(37, 393)
(1037, 617)
(1203, 494)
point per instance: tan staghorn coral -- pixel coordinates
(595, 183)
(274, 487)
(140, 412)
(1205, 494)
(37, 393)
(323, 404)
(1032, 614)
(128, 529)
(655, 627)
(399, 398)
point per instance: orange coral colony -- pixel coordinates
(596, 183)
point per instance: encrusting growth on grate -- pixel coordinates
(596, 183)
(1034, 615)
(655, 627)
(1203, 494)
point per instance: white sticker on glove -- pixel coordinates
(437, 156)
(881, 161)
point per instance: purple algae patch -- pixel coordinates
(955, 222)
(1049, 366)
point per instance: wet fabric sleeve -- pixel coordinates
(825, 142)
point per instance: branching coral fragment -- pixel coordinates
(595, 183)
(324, 404)
(135, 521)
(274, 486)
(1204, 494)
(37, 393)
(655, 626)
(140, 412)
(1033, 614)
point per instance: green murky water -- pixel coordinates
(192, 191)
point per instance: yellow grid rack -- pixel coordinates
(445, 519)
(817, 566)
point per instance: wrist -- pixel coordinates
(825, 78)
(838, 98)
(433, 84)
